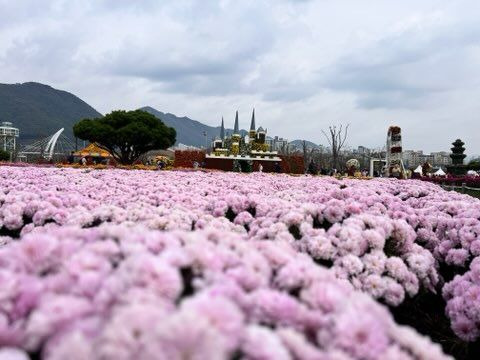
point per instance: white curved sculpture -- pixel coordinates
(49, 149)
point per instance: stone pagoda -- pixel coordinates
(457, 168)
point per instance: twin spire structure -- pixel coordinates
(236, 130)
(237, 143)
(252, 123)
(222, 130)
(236, 127)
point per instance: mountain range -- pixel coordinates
(39, 111)
(299, 144)
(190, 132)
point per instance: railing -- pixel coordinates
(243, 157)
(464, 189)
(9, 132)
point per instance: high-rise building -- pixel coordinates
(412, 158)
(278, 144)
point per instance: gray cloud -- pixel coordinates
(208, 54)
(404, 70)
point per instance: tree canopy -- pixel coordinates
(475, 162)
(126, 134)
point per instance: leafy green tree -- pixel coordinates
(126, 134)
(4, 155)
(475, 162)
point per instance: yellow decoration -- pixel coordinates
(166, 160)
(259, 147)
(93, 150)
(220, 151)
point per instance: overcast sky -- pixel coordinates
(303, 65)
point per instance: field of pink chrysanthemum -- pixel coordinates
(120, 264)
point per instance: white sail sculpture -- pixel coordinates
(46, 148)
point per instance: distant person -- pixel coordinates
(84, 161)
(195, 164)
(260, 168)
(71, 158)
(277, 168)
(396, 172)
(312, 168)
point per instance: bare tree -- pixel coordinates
(285, 149)
(321, 158)
(305, 154)
(336, 139)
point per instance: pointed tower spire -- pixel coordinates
(236, 130)
(252, 124)
(222, 130)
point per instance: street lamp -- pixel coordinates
(205, 134)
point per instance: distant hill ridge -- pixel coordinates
(189, 132)
(299, 144)
(39, 110)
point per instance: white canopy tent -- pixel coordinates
(440, 172)
(418, 170)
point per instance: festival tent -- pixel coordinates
(418, 170)
(92, 150)
(440, 172)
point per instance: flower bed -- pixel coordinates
(120, 264)
(24, 165)
(104, 167)
(470, 181)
